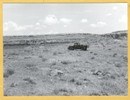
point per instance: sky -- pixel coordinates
(40, 19)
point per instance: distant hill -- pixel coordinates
(116, 34)
(62, 38)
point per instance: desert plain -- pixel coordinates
(43, 66)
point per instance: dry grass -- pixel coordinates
(51, 69)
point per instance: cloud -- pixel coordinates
(98, 24)
(40, 25)
(108, 14)
(93, 25)
(84, 20)
(50, 20)
(101, 23)
(50, 32)
(65, 25)
(11, 28)
(8, 26)
(81, 30)
(65, 20)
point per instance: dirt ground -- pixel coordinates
(52, 69)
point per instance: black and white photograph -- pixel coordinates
(65, 49)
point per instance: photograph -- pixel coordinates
(65, 49)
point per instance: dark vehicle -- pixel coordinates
(78, 46)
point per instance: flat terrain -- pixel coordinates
(42, 65)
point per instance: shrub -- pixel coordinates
(78, 83)
(13, 85)
(115, 54)
(62, 91)
(118, 65)
(31, 67)
(40, 56)
(92, 57)
(44, 59)
(65, 62)
(72, 80)
(54, 63)
(125, 58)
(8, 73)
(29, 80)
(14, 54)
(55, 53)
(95, 53)
(94, 94)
